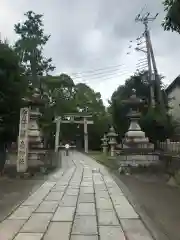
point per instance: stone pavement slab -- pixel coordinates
(69, 205)
(86, 197)
(58, 188)
(111, 232)
(23, 212)
(81, 237)
(86, 190)
(68, 201)
(54, 196)
(135, 230)
(85, 225)
(104, 203)
(64, 214)
(9, 228)
(126, 211)
(86, 209)
(37, 223)
(29, 236)
(107, 217)
(102, 194)
(47, 207)
(72, 191)
(58, 230)
(87, 183)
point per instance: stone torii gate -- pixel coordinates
(72, 118)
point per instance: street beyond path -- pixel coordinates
(81, 202)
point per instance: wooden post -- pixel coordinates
(58, 126)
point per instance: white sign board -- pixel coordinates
(22, 160)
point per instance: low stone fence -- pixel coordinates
(169, 147)
(169, 153)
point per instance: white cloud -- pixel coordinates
(88, 35)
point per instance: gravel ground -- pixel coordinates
(13, 191)
(158, 202)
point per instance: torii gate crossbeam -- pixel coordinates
(59, 120)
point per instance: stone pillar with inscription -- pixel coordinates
(30, 145)
(22, 160)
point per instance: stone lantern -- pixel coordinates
(112, 141)
(137, 150)
(104, 144)
(135, 135)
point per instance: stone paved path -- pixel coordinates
(81, 202)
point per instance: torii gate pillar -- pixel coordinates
(58, 124)
(85, 136)
(85, 121)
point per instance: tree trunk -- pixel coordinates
(2, 157)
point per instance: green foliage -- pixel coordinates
(172, 18)
(118, 109)
(24, 68)
(89, 100)
(156, 125)
(30, 47)
(12, 88)
(63, 96)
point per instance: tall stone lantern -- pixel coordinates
(104, 144)
(137, 150)
(112, 141)
(134, 135)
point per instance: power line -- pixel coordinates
(98, 74)
(97, 70)
(107, 78)
(96, 77)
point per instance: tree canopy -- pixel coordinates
(152, 121)
(12, 89)
(30, 46)
(64, 96)
(172, 18)
(24, 68)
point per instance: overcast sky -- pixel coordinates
(96, 34)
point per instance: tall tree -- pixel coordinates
(63, 96)
(12, 88)
(30, 46)
(172, 18)
(59, 99)
(89, 100)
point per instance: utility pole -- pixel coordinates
(146, 34)
(151, 58)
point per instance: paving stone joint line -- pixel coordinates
(101, 211)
